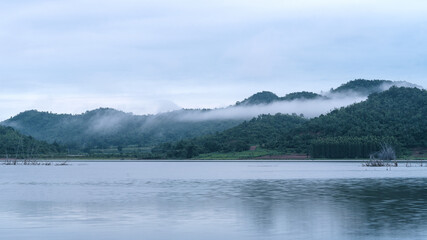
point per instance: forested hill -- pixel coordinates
(366, 87)
(396, 116)
(105, 127)
(16, 145)
(398, 112)
(264, 130)
(361, 87)
(266, 97)
(301, 96)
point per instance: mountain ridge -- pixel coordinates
(106, 127)
(395, 116)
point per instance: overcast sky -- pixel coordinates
(149, 56)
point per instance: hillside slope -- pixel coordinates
(106, 127)
(398, 112)
(263, 130)
(396, 116)
(366, 87)
(16, 145)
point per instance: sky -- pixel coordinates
(154, 56)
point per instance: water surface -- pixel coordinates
(213, 200)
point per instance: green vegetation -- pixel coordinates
(362, 86)
(249, 154)
(16, 145)
(349, 147)
(301, 96)
(396, 117)
(108, 128)
(264, 97)
(264, 131)
(397, 113)
(359, 86)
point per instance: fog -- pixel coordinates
(108, 120)
(111, 121)
(309, 108)
(386, 86)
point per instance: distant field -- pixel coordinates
(124, 150)
(250, 154)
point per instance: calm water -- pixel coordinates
(213, 200)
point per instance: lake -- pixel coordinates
(213, 200)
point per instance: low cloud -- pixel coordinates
(309, 108)
(387, 86)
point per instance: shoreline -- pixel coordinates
(210, 160)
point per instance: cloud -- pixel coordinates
(309, 108)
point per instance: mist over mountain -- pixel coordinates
(396, 116)
(308, 107)
(266, 97)
(106, 127)
(308, 104)
(366, 87)
(358, 87)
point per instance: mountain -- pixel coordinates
(361, 87)
(105, 127)
(397, 112)
(366, 87)
(263, 97)
(16, 145)
(266, 97)
(301, 96)
(396, 116)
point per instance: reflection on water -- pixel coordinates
(212, 201)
